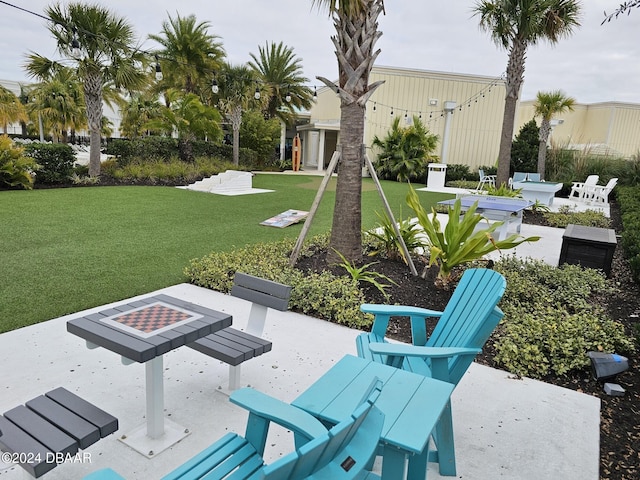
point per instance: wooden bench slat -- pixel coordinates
(270, 287)
(260, 298)
(219, 351)
(49, 435)
(107, 423)
(84, 432)
(250, 342)
(15, 440)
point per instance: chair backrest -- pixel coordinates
(533, 177)
(470, 316)
(342, 453)
(519, 176)
(592, 180)
(610, 184)
(481, 173)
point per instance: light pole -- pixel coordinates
(449, 107)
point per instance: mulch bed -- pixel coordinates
(620, 426)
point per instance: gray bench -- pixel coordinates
(234, 346)
(51, 428)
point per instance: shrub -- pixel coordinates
(550, 323)
(16, 170)
(55, 161)
(457, 172)
(565, 215)
(629, 200)
(324, 295)
(524, 150)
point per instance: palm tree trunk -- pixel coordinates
(346, 231)
(515, 76)
(236, 122)
(93, 102)
(545, 131)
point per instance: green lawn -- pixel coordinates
(66, 250)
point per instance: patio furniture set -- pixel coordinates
(391, 400)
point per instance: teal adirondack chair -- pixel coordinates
(462, 329)
(344, 452)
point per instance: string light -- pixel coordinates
(214, 86)
(257, 94)
(159, 75)
(75, 44)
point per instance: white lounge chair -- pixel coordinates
(488, 180)
(599, 194)
(579, 188)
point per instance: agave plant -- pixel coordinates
(459, 242)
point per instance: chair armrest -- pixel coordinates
(383, 313)
(404, 350)
(398, 310)
(264, 409)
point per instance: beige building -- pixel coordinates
(608, 128)
(465, 111)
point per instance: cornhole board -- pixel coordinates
(285, 219)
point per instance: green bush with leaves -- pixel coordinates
(629, 200)
(327, 296)
(165, 172)
(566, 215)
(405, 152)
(16, 170)
(524, 150)
(362, 273)
(456, 172)
(458, 243)
(550, 322)
(503, 191)
(55, 162)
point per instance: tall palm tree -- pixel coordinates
(547, 105)
(11, 109)
(141, 108)
(237, 92)
(107, 56)
(356, 25)
(515, 25)
(281, 71)
(189, 55)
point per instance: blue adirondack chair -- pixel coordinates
(344, 452)
(461, 331)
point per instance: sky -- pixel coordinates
(598, 63)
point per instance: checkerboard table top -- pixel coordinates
(144, 329)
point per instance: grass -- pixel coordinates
(66, 250)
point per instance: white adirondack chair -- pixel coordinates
(599, 194)
(580, 188)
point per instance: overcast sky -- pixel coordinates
(597, 64)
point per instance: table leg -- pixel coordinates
(393, 461)
(155, 397)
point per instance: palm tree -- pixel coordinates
(356, 25)
(281, 72)
(190, 119)
(237, 90)
(11, 109)
(547, 105)
(515, 25)
(405, 151)
(141, 108)
(107, 57)
(189, 55)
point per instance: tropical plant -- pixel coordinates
(236, 94)
(356, 25)
(141, 108)
(458, 243)
(524, 151)
(515, 25)
(16, 170)
(539, 207)
(11, 110)
(280, 70)
(363, 274)
(189, 55)
(547, 105)
(625, 7)
(503, 191)
(107, 57)
(260, 135)
(190, 119)
(405, 151)
(387, 242)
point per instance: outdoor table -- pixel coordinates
(503, 209)
(543, 192)
(143, 331)
(411, 403)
